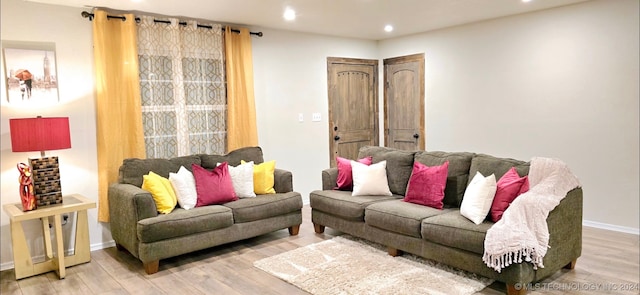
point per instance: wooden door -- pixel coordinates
(353, 106)
(404, 102)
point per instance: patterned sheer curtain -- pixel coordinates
(182, 88)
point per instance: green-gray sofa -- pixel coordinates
(137, 227)
(443, 235)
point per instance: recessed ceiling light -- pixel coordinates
(289, 14)
(388, 28)
(526, 1)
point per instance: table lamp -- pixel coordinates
(42, 134)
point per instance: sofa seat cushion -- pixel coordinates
(264, 206)
(399, 216)
(454, 230)
(343, 204)
(182, 222)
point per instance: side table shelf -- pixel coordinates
(24, 265)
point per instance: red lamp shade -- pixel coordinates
(39, 134)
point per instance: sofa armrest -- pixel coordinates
(565, 234)
(128, 204)
(329, 177)
(282, 181)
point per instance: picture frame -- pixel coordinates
(30, 71)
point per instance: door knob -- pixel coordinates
(416, 135)
(336, 137)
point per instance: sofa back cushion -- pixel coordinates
(248, 154)
(457, 176)
(133, 169)
(399, 165)
(487, 165)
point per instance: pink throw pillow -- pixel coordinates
(525, 186)
(213, 187)
(510, 186)
(426, 185)
(344, 181)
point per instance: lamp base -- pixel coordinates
(46, 181)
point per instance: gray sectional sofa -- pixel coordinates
(137, 227)
(443, 235)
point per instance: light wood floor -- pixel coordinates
(608, 259)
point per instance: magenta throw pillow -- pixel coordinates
(344, 181)
(510, 186)
(426, 185)
(525, 186)
(213, 187)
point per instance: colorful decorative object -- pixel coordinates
(27, 196)
(30, 72)
(42, 134)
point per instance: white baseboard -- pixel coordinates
(112, 243)
(36, 259)
(611, 227)
(108, 244)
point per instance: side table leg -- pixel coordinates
(82, 249)
(46, 237)
(58, 261)
(23, 265)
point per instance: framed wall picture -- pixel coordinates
(30, 72)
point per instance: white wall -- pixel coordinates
(290, 72)
(564, 83)
(26, 21)
(558, 83)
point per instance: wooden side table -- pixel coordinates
(24, 266)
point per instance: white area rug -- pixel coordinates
(346, 265)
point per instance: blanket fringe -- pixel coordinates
(500, 261)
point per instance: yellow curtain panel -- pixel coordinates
(118, 110)
(242, 130)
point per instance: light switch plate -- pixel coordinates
(316, 117)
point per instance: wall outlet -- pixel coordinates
(65, 219)
(300, 117)
(316, 117)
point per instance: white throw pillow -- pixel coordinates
(478, 197)
(242, 179)
(370, 180)
(184, 184)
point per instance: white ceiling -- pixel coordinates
(363, 19)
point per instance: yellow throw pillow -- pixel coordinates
(161, 191)
(263, 177)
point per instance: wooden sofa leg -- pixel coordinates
(151, 267)
(394, 252)
(293, 230)
(513, 290)
(318, 228)
(571, 265)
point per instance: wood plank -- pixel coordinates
(607, 258)
(8, 284)
(72, 284)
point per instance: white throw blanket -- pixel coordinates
(522, 233)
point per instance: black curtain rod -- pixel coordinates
(90, 16)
